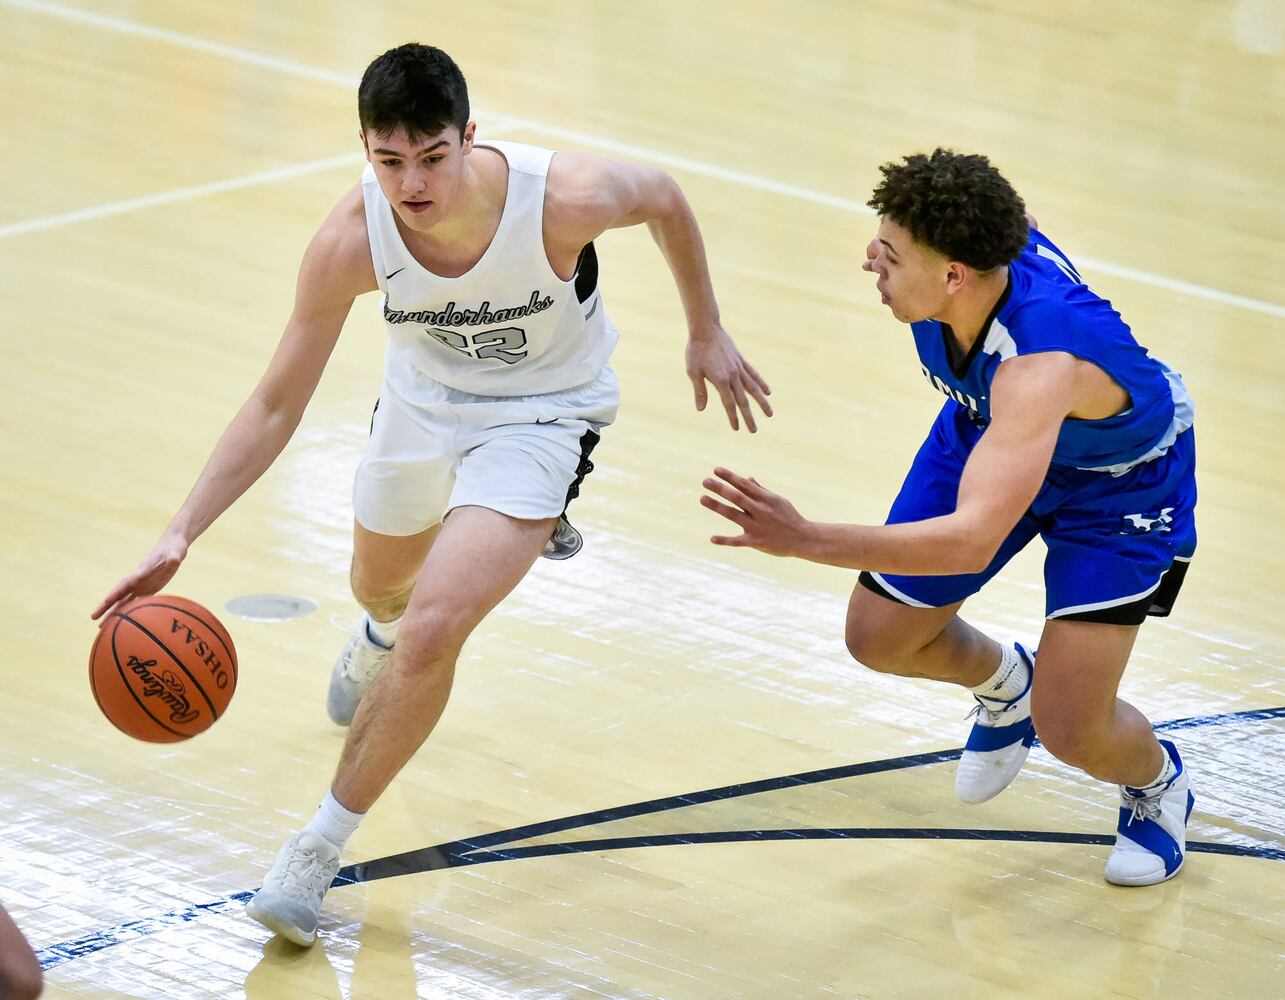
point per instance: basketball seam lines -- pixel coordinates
(214, 631)
(129, 687)
(181, 665)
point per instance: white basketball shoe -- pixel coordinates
(358, 663)
(998, 743)
(1151, 836)
(290, 901)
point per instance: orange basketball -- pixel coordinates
(162, 669)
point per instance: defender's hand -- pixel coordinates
(152, 574)
(714, 357)
(768, 522)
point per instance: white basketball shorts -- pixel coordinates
(436, 448)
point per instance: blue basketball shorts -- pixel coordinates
(1118, 546)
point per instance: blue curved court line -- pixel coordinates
(479, 850)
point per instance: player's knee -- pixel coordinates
(382, 597)
(429, 640)
(876, 649)
(1068, 737)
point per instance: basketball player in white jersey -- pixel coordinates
(20, 975)
(496, 386)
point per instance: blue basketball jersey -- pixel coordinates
(1046, 307)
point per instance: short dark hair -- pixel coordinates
(416, 87)
(956, 203)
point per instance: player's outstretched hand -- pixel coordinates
(716, 359)
(152, 574)
(768, 521)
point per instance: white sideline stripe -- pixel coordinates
(697, 167)
(1183, 287)
(198, 191)
(128, 27)
(179, 194)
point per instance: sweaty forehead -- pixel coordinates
(899, 242)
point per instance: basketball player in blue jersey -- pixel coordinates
(496, 385)
(1057, 424)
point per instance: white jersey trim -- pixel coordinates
(1099, 605)
(1000, 341)
(904, 598)
(1184, 416)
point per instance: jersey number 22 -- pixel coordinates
(507, 344)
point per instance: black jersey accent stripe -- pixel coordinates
(588, 441)
(586, 276)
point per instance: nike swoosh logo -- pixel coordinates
(388, 277)
(553, 421)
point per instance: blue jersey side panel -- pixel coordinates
(1048, 308)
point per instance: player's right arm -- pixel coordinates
(336, 269)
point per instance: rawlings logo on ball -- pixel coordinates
(166, 688)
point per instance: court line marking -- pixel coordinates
(249, 57)
(196, 191)
(178, 194)
(476, 850)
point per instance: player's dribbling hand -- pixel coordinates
(714, 357)
(768, 521)
(152, 574)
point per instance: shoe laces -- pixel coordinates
(986, 715)
(1142, 807)
(360, 665)
(305, 873)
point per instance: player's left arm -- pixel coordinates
(589, 195)
(1030, 397)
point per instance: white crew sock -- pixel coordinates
(1167, 774)
(382, 633)
(333, 822)
(1009, 679)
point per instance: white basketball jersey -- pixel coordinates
(507, 327)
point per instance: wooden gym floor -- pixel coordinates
(607, 808)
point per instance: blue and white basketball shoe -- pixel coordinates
(1151, 836)
(998, 744)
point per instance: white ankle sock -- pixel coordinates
(1009, 679)
(1167, 773)
(333, 822)
(382, 633)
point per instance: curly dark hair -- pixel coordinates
(956, 203)
(413, 86)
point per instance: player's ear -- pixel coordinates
(466, 138)
(956, 273)
(365, 146)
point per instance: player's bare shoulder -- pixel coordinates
(337, 264)
(585, 195)
(580, 198)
